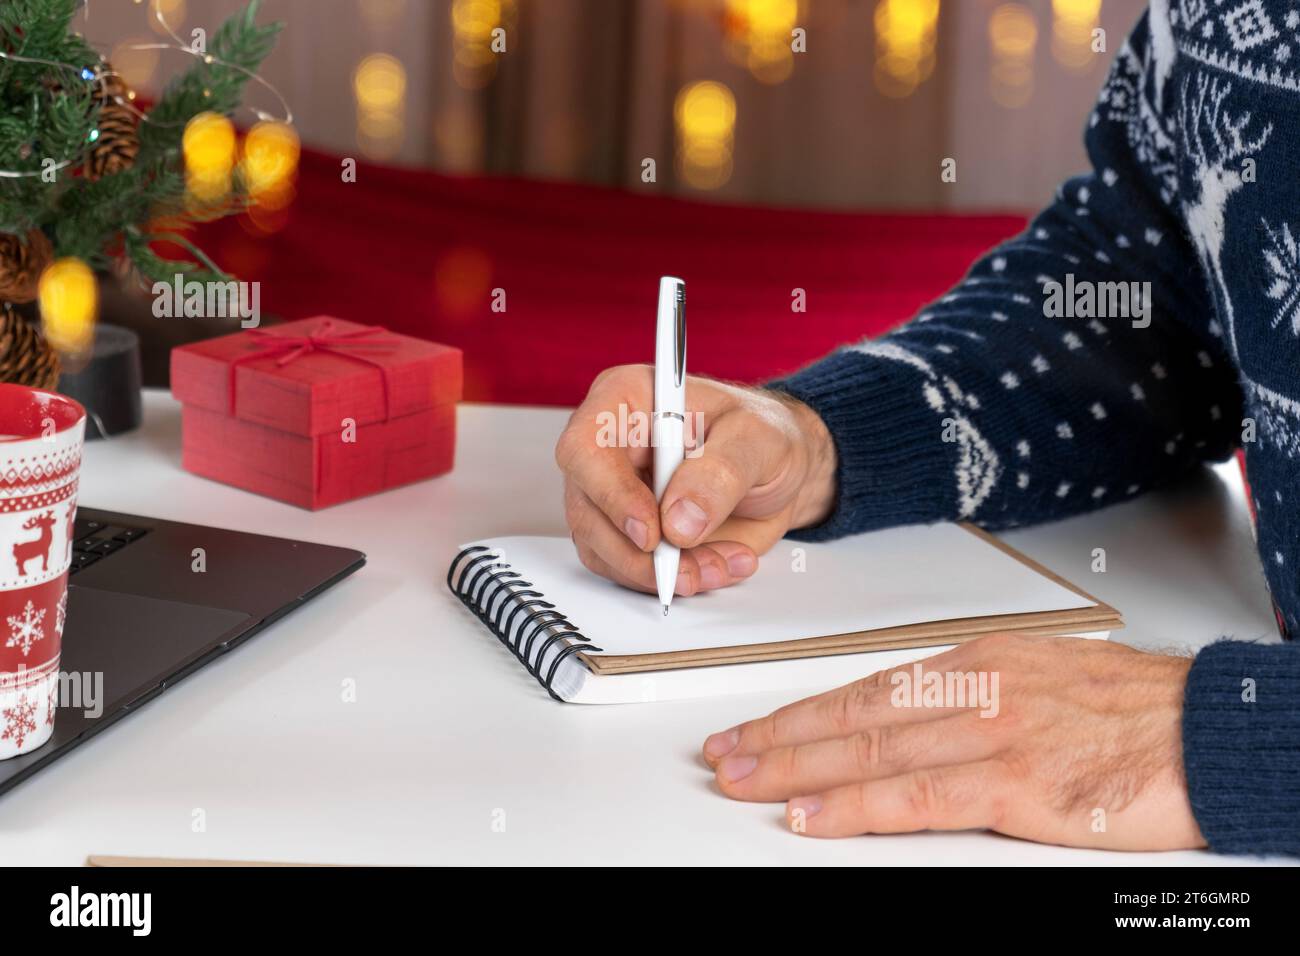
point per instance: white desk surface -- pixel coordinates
(448, 733)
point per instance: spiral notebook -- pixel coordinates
(813, 615)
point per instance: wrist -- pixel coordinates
(816, 498)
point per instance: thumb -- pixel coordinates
(706, 489)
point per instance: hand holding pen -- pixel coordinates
(766, 465)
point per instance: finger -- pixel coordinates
(756, 534)
(872, 754)
(961, 797)
(715, 565)
(735, 457)
(733, 556)
(723, 563)
(589, 526)
(610, 478)
(688, 574)
(875, 700)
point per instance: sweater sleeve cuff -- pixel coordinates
(1241, 746)
(893, 465)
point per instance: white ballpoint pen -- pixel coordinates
(669, 427)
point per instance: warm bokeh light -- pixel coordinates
(1072, 24)
(1013, 38)
(704, 114)
(905, 39)
(379, 85)
(69, 300)
(758, 35)
(173, 12)
(136, 67)
(474, 62)
(269, 163)
(462, 282)
(208, 145)
(458, 138)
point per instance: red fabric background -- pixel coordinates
(421, 253)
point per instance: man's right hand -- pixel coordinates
(765, 464)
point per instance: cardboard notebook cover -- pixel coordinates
(1097, 617)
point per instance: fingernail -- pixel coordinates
(711, 576)
(742, 564)
(683, 583)
(802, 809)
(687, 519)
(719, 745)
(734, 769)
(636, 532)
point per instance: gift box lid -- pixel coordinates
(307, 376)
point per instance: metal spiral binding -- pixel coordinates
(487, 586)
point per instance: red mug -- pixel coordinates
(41, 435)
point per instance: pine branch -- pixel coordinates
(50, 113)
(211, 86)
(154, 268)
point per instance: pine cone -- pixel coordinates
(109, 86)
(25, 357)
(118, 143)
(21, 264)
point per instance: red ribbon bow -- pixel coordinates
(289, 348)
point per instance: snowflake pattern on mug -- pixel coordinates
(20, 721)
(38, 493)
(26, 629)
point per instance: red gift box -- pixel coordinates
(317, 411)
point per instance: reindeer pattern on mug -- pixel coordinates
(38, 489)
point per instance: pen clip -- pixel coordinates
(679, 335)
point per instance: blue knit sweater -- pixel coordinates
(1147, 321)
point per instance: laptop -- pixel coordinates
(142, 614)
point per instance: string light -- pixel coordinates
(99, 72)
(69, 302)
(1072, 24)
(160, 9)
(1013, 37)
(208, 145)
(759, 34)
(705, 116)
(133, 66)
(270, 159)
(179, 45)
(473, 26)
(379, 85)
(905, 41)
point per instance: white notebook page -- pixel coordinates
(889, 578)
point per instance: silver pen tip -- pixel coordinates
(665, 610)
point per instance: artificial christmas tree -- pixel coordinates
(85, 173)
